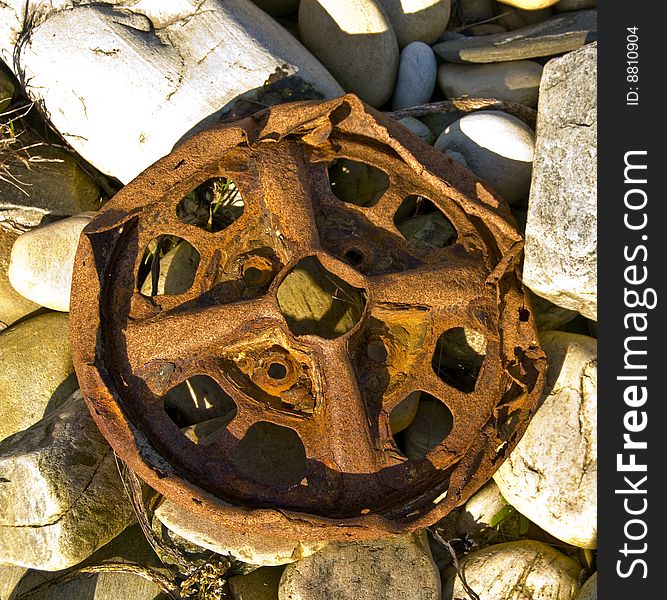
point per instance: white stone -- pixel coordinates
(589, 591)
(246, 546)
(497, 147)
(125, 83)
(420, 129)
(354, 40)
(417, 20)
(42, 262)
(551, 475)
(416, 76)
(61, 497)
(511, 81)
(481, 508)
(516, 571)
(396, 568)
(530, 4)
(561, 231)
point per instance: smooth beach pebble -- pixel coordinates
(417, 20)
(355, 41)
(530, 4)
(416, 76)
(42, 261)
(497, 147)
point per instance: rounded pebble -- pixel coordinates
(42, 261)
(529, 4)
(420, 129)
(497, 147)
(517, 570)
(417, 20)
(512, 81)
(369, 63)
(416, 76)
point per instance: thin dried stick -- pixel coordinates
(459, 572)
(132, 486)
(521, 111)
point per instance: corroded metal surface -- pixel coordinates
(336, 394)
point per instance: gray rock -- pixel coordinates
(498, 148)
(549, 316)
(13, 306)
(589, 591)
(36, 371)
(60, 492)
(416, 76)
(557, 35)
(246, 546)
(512, 81)
(6, 89)
(398, 568)
(561, 233)
(551, 475)
(417, 20)
(180, 66)
(129, 546)
(261, 584)
(516, 570)
(53, 186)
(474, 11)
(486, 29)
(569, 5)
(42, 262)
(420, 129)
(364, 31)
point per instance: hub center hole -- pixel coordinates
(277, 371)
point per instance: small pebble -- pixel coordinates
(42, 261)
(497, 147)
(416, 76)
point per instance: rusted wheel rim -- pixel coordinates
(129, 350)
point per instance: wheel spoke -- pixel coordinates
(431, 285)
(286, 197)
(353, 447)
(185, 331)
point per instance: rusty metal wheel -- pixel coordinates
(333, 467)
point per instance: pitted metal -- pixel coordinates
(336, 393)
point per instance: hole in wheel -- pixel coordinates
(431, 424)
(315, 301)
(198, 399)
(353, 258)
(356, 182)
(214, 205)
(458, 357)
(423, 224)
(277, 371)
(168, 267)
(271, 454)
